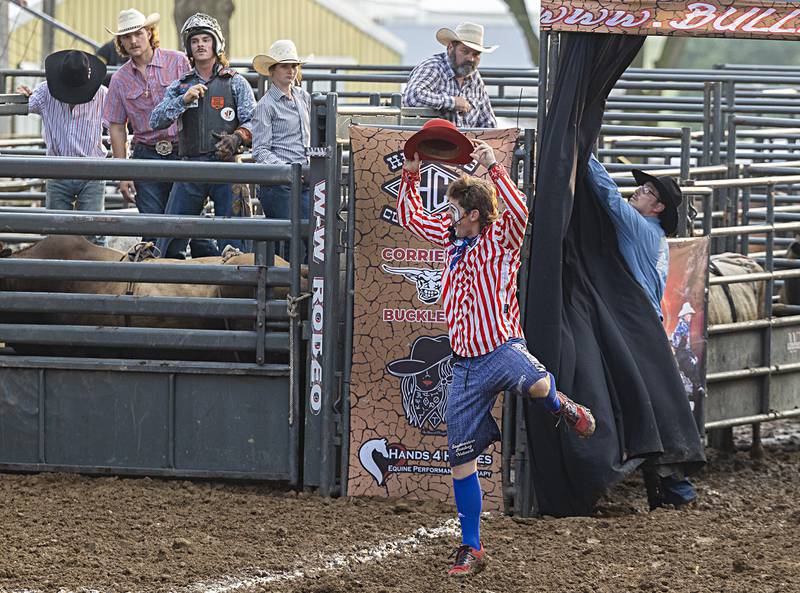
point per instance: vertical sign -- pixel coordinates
(684, 309)
(401, 350)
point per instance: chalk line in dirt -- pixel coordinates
(329, 564)
(325, 564)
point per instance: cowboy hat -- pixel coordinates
(669, 194)
(282, 51)
(73, 76)
(426, 353)
(440, 140)
(686, 309)
(131, 20)
(469, 34)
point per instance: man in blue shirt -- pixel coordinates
(214, 104)
(643, 224)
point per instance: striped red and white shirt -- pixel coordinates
(76, 131)
(480, 290)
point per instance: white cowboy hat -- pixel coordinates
(131, 20)
(282, 51)
(469, 34)
(687, 309)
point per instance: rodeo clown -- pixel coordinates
(214, 105)
(480, 302)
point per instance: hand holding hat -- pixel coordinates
(440, 140)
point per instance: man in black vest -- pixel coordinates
(214, 104)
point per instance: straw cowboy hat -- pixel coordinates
(440, 140)
(282, 51)
(73, 76)
(131, 20)
(686, 309)
(469, 34)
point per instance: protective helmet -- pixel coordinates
(202, 23)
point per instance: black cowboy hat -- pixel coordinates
(426, 353)
(669, 194)
(74, 76)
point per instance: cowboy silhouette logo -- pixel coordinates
(425, 377)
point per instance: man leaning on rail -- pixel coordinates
(70, 102)
(215, 105)
(450, 83)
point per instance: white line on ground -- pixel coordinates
(331, 563)
(335, 562)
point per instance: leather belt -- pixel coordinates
(162, 147)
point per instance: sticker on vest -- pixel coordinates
(217, 102)
(227, 114)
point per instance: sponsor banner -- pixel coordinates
(684, 309)
(401, 350)
(738, 19)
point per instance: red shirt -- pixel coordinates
(480, 290)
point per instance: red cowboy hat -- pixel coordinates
(440, 140)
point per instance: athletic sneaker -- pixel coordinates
(469, 561)
(577, 416)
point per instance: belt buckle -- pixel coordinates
(164, 147)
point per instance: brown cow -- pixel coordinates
(742, 301)
(59, 247)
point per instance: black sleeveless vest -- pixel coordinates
(216, 112)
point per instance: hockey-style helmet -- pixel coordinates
(202, 23)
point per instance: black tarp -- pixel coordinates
(586, 317)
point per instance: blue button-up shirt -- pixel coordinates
(281, 127)
(172, 106)
(641, 239)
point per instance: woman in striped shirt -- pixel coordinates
(480, 301)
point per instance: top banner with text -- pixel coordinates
(750, 19)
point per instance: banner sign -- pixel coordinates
(684, 309)
(742, 19)
(401, 350)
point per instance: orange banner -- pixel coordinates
(741, 19)
(683, 306)
(401, 350)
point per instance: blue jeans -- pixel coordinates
(189, 198)
(476, 383)
(152, 196)
(677, 490)
(77, 194)
(276, 201)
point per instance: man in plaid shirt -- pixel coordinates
(479, 290)
(450, 83)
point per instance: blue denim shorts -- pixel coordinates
(476, 383)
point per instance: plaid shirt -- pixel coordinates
(479, 286)
(131, 97)
(433, 84)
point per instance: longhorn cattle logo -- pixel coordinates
(425, 381)
(428, 282)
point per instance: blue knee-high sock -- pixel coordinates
(469, 504)
(551, 401)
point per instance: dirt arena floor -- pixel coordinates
(76, 534)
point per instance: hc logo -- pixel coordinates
(434, 179)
